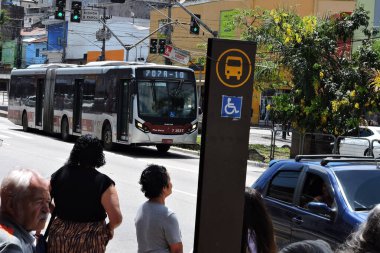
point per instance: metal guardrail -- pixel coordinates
(340, 138)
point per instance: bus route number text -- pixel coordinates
(156, 73)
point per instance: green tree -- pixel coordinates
(331, 88)
(3, 20)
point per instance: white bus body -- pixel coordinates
(119, 102)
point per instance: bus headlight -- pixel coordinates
(142, 127)
(192, 128)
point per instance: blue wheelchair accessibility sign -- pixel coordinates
(231, 107)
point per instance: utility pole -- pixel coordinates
(169, 31)
(103, 55)
(103, 20)
(19, 44)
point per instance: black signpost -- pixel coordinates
(224, 148)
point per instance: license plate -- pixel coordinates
(167, 141)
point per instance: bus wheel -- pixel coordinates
(162, 148)
(25, 127)
(65, 130)
(107, 137)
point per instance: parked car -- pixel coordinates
(358, 142)
(319, 196)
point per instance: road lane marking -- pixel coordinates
(4, 137)
(180, 169)
(185, 193)
(20, 135)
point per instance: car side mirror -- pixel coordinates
(320, 208)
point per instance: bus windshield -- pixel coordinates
(166, 99)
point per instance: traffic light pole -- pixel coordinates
(198, 20)
(64, 41)
(129, 47)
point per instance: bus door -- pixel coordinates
(124, 109)
(77, 105)
(39, 101)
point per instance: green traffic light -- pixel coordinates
(75, 17)
(60, 14)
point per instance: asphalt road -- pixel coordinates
(47, 153)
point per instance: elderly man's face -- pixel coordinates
(34, 209)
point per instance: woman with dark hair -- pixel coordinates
(367, 238)
(157, 227)
(258, 235)
(83, 198)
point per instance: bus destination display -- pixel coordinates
(158, 73)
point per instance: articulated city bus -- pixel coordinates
(119, 102)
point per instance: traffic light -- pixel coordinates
(161, 46)
(194, 26)
(153, 46)
(76, 9)
(60, 9)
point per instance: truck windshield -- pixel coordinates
(359, 187)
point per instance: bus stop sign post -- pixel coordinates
(224, 147)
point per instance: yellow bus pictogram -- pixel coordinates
(233, 63)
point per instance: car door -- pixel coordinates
(310, 225)
(279, 199)
(353, 143)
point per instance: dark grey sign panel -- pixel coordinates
(224, 148)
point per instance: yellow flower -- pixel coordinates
(321, 75)
(287, 40)
(323, 119)
(352, 93)
(357, 105)
(376, 79)
(298, 38)
(277, 20)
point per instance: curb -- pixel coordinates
(197, 153)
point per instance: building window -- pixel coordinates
(37, 52)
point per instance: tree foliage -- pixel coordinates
(331, 88)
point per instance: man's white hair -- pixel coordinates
(16, 183)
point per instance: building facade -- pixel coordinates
(217, 14)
